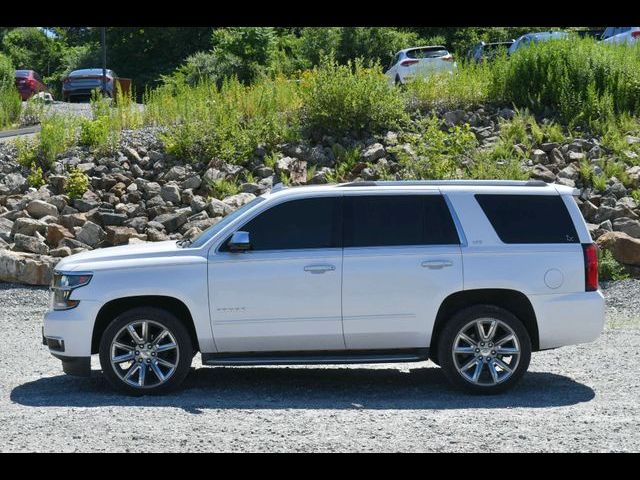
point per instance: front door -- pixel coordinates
(284, 294)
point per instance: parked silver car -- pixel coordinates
(80, 83)
(537, 37)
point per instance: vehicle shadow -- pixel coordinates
(306, 388)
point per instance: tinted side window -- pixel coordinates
(386, 220)
(307, 223)
(529, 218)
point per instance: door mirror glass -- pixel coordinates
(239, 242)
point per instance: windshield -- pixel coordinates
(214, 229)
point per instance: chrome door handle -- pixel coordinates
(437, 264)
(319, 268)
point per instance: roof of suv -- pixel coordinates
(485, 186)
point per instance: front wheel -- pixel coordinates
(484, 349)
(145, 351)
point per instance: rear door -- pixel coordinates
(430, 59)
(401, 259)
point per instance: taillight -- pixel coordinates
(590, 267)
(409, 61)
(635, 34)
(447, 58)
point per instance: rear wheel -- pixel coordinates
(145, 351)
(484, 349)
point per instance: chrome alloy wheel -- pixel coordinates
(144, 354)
(486, 352)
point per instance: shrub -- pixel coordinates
(583, 80)
(7, 73)
(223, 188)
(229, 122)
(35, 177)
(98, 134)
(77, 183)
(57, 134)
(10, 106)
(609, 268)
(339, 99)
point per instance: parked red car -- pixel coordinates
(29, 83)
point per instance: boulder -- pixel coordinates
(238, 200)
(91, 234)
(39, 209)
(173, 221)
(24, 243)
(121, 235)
(540, 172)
(374, 152)
(60, 252)
(627, 225)
(625, 249)
(20, 267)
(28, 226)
(539, 156)
(55, 233)
(170, 193)
(217, 208)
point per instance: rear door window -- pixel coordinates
(421, 53)
(397, 220)
(529, 218)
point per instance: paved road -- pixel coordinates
(582, 398)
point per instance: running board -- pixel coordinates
(316, 357)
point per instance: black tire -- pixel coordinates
(159, 317)
(458, 323)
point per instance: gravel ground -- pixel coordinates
(579, 398)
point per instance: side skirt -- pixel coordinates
(316, 357)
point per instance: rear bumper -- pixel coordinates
(568, 319)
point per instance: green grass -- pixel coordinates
(10, 107)
(609, 268)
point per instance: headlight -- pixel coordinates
(62, 286)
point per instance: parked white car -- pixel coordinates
(474, 275)
(621, 35)
(534, 38)
(410, 63)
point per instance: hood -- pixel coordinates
(128, 256)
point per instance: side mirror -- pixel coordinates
(239, 242)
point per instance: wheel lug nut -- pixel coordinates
(482, 344)
(477, 350)
(148, 360)
(153, 354)
(140, 360)
(493, 352)
(141, 345)
(137, 352)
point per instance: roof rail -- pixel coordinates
(472, 183)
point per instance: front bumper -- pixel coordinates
(68, 336)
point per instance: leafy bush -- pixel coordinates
(609, 268)
(98, 134)
(76, 184)
(223, 188)
(466, 87)
(10, 106)
(7, 73)
(585, 81)
(439, 152)
(57, 134)
(229, 122)
(339, 99)
(35, 177)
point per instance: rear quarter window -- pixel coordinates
(529, 218)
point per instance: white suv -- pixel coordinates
(414, 62)
(474, 275)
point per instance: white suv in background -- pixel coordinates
(621, 35)
(474, 275)
(415, 62)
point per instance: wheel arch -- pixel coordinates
(113, 308)
(514, 301)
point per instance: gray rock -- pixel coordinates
(217, 208)
(170, 193)
(151, 189)
(14, 183)
(374, 152)
(556, 157)
(192, 182)
(454, 117)
(177, 173)
(19, 267)
(110, 218)
(91, 234)
(60, 252)
(39, 209)
(627, 225)
(28, 226)
(540, 172)
(547, 147)
(173, 221)
(576, 156)
(238, 200)
(539, 156)
(24, 243)
(263, 171)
